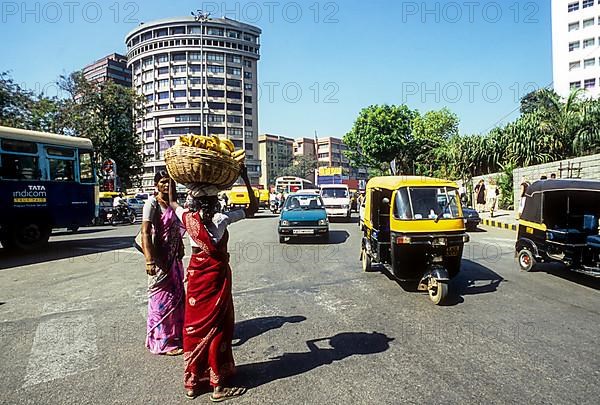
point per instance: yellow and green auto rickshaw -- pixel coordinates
(414, 227)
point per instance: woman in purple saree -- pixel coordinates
(163, 249)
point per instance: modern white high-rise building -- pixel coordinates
(196, 77)
(576, 46)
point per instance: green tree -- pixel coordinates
(104, 112)
(14, 102)
(380, 134)
(431, 132)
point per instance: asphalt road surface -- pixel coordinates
(311, 327)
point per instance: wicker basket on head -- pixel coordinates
(187, 164)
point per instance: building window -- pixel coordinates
(248, 63)
(195, 80)
(179, 81)
(161, 33)
(216, 57)
(234, 119)
(234, 59)
(163, 107)
(236, 95)
(248, 75)
(219, 31)
(588, 23)
(233, 34)
(589, 42)
(216, 106)
(248, 111)
(195, 30)
(589, 83)
(216, 69)
(248, 99)
(574, 65)
(234, 107)
(178, 106)
(148, 87)
(588, 3)
(195, 68)
(150, 97)
(234, 71)
(179, 69)
(179, 94)
(178, 57)
(177, 30)
(573, 6)
(248, 123)
(234, 131)
(589, 62)
(574, 26)
(164, 95)
(215, 93)
(574, 45)
(216, 118)
(163, 57)
(195, 93)
(216, 130)
(218, 81)
(247, 86)
(234, 83)
(194, 56)
(163, 71)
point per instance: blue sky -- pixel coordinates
(322, 61)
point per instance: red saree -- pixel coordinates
(209, 317)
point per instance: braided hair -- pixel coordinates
(208, 206)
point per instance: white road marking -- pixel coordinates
(62, 346)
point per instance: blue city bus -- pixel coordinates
(46, 181)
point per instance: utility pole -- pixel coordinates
(202, 17)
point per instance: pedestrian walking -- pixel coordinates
(209, 316)
(523, 189)
(493, 192)
(162, 245)
(480, 195)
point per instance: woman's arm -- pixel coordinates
(148, 248)
(253, 208)
(173, 195)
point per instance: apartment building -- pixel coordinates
(275, 154)
(111, 67)
(576, 46)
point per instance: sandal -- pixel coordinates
(227, 393)
(174, 352)
(191, 394)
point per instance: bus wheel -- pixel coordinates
(30, 236)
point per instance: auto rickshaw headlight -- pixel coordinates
(439, 241)
(285, 223)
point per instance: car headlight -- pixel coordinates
(345, 206)
(322, 221)
(285, 223)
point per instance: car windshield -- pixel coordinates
(303, 202)
(334, 193)
(426, 203)
(133, 201)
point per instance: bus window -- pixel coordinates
(64, 152)
(86, 168)
(61, 170)
(19, 167)
(12, 145)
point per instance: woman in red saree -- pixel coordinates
(209, 315)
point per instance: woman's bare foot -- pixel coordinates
(221, 393)
(174, 352)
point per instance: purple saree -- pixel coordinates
(165, 290)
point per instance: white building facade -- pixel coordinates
(576, 46)
(196, 77)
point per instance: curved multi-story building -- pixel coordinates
(193, 73)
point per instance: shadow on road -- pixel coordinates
(473, 279)
(341, 346)
(559, 270)
(65, 232)
(251, 328)
(335, 238)
(65, 249)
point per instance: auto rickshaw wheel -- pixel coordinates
(526, 260)
(366, 261)
(281, 239)
(437, 291)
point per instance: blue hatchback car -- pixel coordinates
(303, 214)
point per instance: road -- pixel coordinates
(72, 326)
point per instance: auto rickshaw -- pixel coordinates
(559, 223)
(239, 198)
(414, 227)
(263, 198)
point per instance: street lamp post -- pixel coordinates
(201, 17)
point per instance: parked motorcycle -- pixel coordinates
(120, 215)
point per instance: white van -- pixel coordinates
(336, 198)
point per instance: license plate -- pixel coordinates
(453, 251)
(303, 232)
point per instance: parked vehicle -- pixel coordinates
(414, 227)
(263, 198)
(303, 215)
(46, 181)
(337, 200)
(239, 198)
(472, 219)
(559, 223)
(136, 205)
